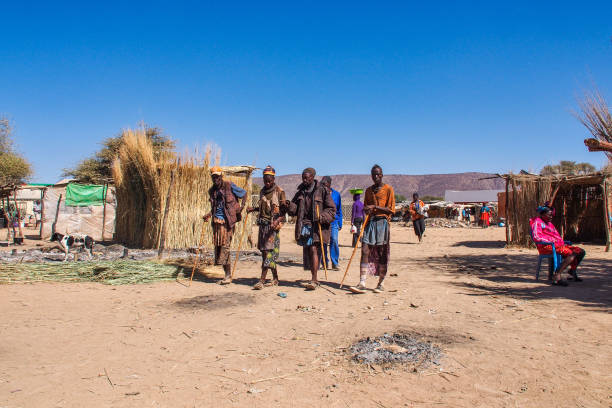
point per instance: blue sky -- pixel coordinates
(418, 88)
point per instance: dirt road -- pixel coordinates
(507, 340)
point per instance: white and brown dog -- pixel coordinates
(74, 241)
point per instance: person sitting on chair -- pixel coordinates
(544, 230)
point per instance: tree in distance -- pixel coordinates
(568, 168)
(97, 169)
(14, 168)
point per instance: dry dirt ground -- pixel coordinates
(508, 341)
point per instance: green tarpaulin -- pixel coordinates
(81, 195)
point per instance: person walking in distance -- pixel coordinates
(417, 213)
(357, 217)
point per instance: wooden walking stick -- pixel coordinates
(355, 249)
(196, 262)
(244, 226)
(321, 242)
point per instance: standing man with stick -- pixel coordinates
(225, 212)
(379, 204)
(311, 199)
(272, 208)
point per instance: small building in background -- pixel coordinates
(471, 196)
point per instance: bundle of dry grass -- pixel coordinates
(580, 203)
(161, 200)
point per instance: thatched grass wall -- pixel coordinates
(144, 182)
(580, 204)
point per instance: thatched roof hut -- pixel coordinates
(161, 198)
(581, 203)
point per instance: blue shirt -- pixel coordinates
(338, 201)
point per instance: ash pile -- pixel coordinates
(395, 348)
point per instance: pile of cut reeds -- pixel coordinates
(161, 200)
(120, 272)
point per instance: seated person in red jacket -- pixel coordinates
(544, 230)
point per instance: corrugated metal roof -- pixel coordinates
(471, 196)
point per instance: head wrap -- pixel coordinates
(542, 209)
(309, 170)
(269, 170)
(216, 171)
(326, 180)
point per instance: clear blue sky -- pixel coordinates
(418, 88)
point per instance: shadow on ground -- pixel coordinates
(480, 244)
(513, 275)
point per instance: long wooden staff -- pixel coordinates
(321, 242)
(246, 217)
(355, 249)
(197, 260)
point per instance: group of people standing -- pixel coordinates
(317, 209)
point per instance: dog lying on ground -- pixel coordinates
(74, 241)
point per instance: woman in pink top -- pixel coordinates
(544, 230)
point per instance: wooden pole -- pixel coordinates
(321, 241)
(244, 226)
(606, 214)
(196, 262)
(6, 217)
(507, 212)
(554, 194)
(42, 210)
(355, 249)
(54, 225)
(18, 215)
(104, 209)
(162, 234)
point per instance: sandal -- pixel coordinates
(312, 285)
(357, 289)
(379, 289)
(574, 276)
(560, 282)
(258, 286)
(225, 281)
(273, 283)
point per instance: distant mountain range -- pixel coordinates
(426, 184)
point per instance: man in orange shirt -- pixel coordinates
(379, 204)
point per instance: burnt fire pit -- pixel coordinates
(397, 348)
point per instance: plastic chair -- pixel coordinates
(554, 259)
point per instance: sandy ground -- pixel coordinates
(508, 340)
